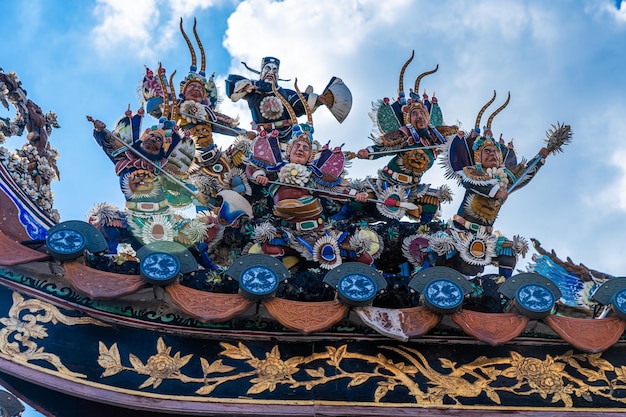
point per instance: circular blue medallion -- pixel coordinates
(160, 268)
(535, 298)
(443, 295)
(258, 280)
(619, 302)
(66, 243)
(357, 287)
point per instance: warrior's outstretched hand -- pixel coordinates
(98, 125)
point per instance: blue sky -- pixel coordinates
(561, 60)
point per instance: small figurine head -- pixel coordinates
(194, 90)
(269, 69)
(487, 153)
(155, 140)
(151, 142)
(416, 115)
(300, 147)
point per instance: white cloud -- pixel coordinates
(124, 22)
(366, 43)
(315, 32)
(145, 27)
(614, 195)
(615, 9)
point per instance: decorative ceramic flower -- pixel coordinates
(193, 231)
(520, 245)
(500, 175)
(271, 108)
(295, 174)
(475, 248)
(159, 223)
(361, 241)
(192, 111)
(326, 252)
(264, 232)
(415, 248)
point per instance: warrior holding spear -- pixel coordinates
(407, 133)
(488, 183)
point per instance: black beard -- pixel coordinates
(424, 133)
(150, 155)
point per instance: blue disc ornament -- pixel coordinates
(259, 280)
(66, 244)
(160, 268)
(357, 287)
(443, 295)
(535, 300)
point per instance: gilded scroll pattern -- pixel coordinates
(25, 324)
(557, 379)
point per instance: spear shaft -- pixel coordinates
(393, 152)
(390, 202)
(157, 168)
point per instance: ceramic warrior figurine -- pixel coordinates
(267, 109)
(473, 243)
(153, 169)
(460, 154)
(407, 133)
(195, 108)
(299, 183)
(194, 111)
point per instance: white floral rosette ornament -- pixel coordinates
(192, 111)
(415, 248)
(264, 232)
(155, 228)
(271, 108)
(500, 175)
(326, 252)
(475, 248)
(294, 174)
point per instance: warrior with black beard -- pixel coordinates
(406, 133)
(415, 143)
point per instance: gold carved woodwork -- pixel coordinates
(25, 325)
(558, 379)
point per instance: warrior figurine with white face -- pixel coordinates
(268, 111)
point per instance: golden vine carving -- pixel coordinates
(19, 331)
(516, 374)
